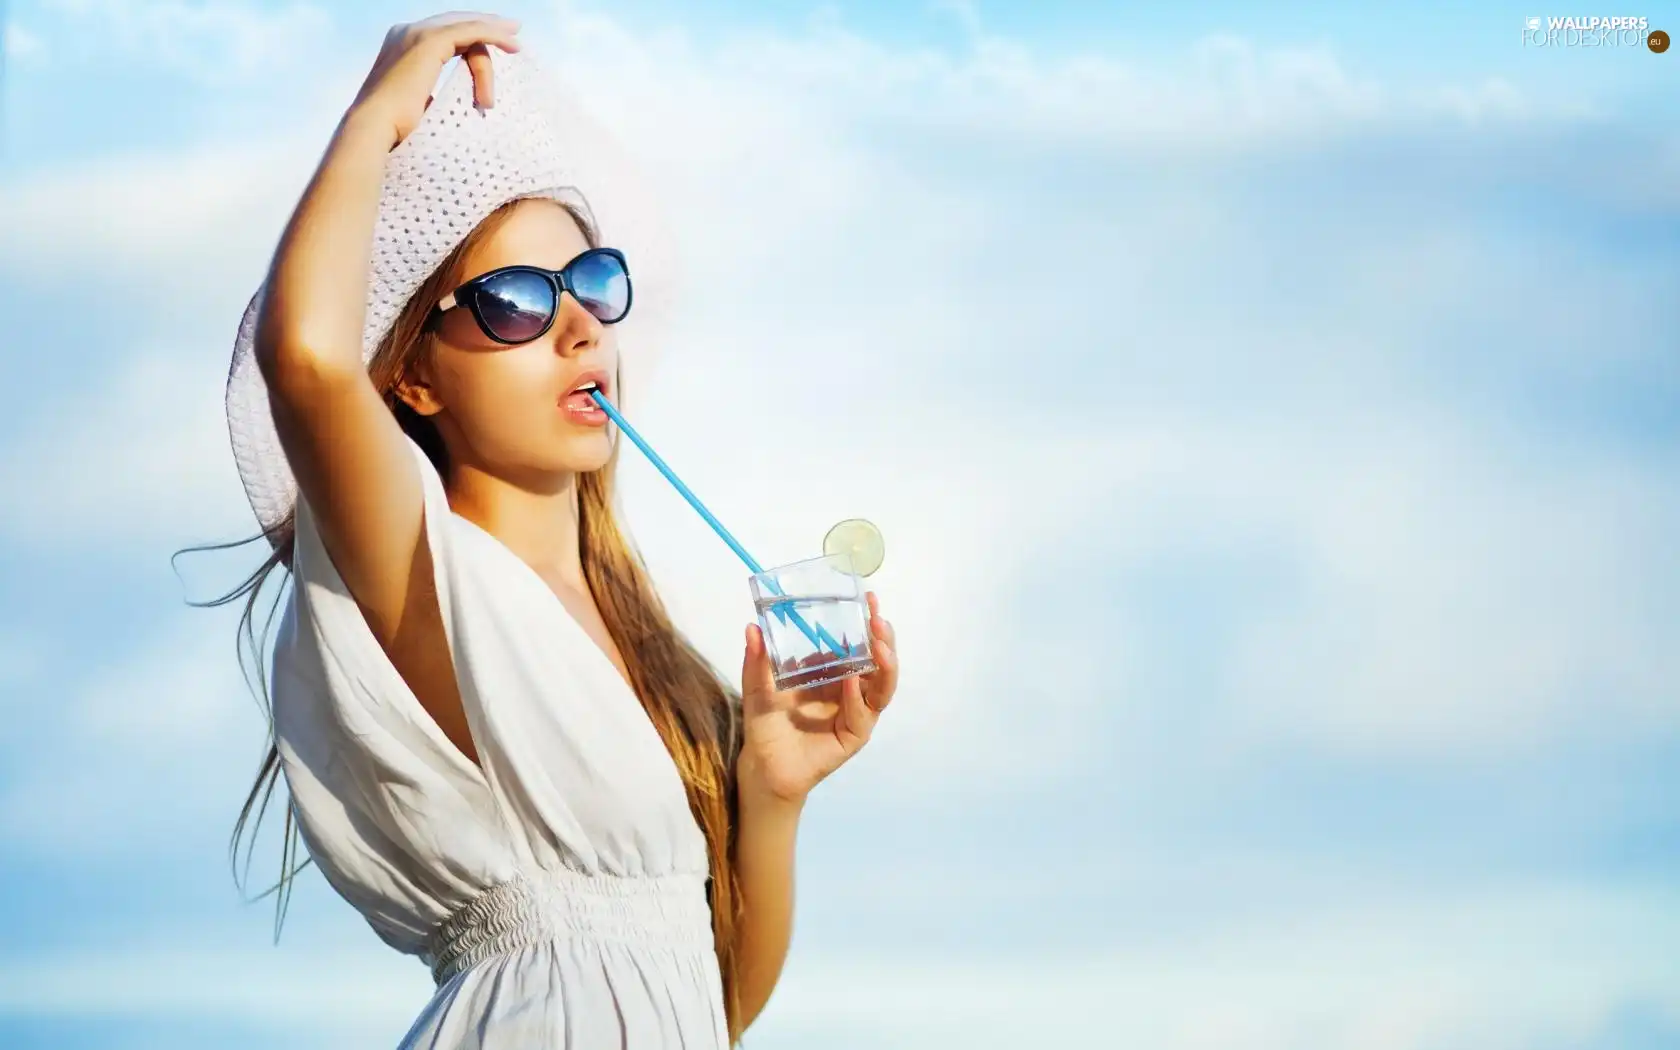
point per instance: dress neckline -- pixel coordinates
(565, 614)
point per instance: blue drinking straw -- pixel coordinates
(717, 526)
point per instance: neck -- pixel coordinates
(536, 517)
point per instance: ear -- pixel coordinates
(414, 389)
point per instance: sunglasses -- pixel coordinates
(516, 304)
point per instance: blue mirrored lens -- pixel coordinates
(516, 306)
(601, 284)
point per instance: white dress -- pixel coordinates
(557, 890)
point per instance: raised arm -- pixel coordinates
(350, 458)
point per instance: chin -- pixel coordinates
(586, 454)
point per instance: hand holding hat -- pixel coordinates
(398, 87)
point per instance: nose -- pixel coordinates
(576, 330)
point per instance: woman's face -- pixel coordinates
(511, 410)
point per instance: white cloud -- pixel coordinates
(1432, 587)
(1502, 969)
(260, 984)
(1501, 972)
(214, 43)
(178, 224)
(21, 45)
(164, 742)
(21, 659)
(1221, 92)
(1456, 599)
(142, 455)
(1492, 99)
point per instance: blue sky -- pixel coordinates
(1272, 412)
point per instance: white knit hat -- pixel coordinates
(458, 165)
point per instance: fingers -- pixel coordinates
(758, 679)
(503, 32)
(468, 34)
(453, 20)
(446, 18)
(878, 624)
(857, 717)
(882, 683)
(478, 60)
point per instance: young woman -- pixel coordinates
(498, 747)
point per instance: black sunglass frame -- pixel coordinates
(467, 294)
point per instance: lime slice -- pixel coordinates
(861, 541)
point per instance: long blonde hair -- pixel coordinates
(694, 710)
